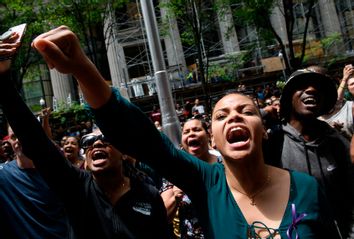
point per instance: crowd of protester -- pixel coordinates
(264, 163)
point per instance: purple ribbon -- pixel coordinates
(295, 220)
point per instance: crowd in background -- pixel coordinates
(122, 178)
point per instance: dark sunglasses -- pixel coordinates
(87, 141)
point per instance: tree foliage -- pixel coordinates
(196, 19)
(258, 13)
(68, 119)
(84, 17)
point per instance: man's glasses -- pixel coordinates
(87, 141)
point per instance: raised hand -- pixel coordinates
(61, 50)
(45, 113)
(348, 71)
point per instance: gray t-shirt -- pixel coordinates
(343, 116)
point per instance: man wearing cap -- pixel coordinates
(309, 145)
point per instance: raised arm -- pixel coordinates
(34, 141)
(126, 127)
(45, 114)
(348, 71)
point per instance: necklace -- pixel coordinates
(253, 196)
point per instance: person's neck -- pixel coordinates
(247, 177)
(209, 158)
(305, 127)
(114, 185)
(24, 162)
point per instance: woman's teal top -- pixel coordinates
(130, 131)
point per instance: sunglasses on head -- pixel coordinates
(87, 141)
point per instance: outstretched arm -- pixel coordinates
(126, 127)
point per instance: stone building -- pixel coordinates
(129, 61)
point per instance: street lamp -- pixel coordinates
(42, 103)
(280, 55)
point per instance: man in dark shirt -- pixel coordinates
(109, 200)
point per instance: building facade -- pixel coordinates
(129, 61)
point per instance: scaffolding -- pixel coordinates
(132, 37)
(317, 29)
(346, 17)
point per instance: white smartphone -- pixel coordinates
(20, 29)
(6, 35)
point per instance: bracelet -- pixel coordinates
(343, 87)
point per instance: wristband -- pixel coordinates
(343, 87)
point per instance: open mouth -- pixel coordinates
(99, 154)
(193, 143)
(310, 101)
(237, 134)
(68, 150)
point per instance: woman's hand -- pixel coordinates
(348, 71)
(171, 198)
(45, 113)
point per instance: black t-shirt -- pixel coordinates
(140, 213)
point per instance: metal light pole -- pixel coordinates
(170, 123)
